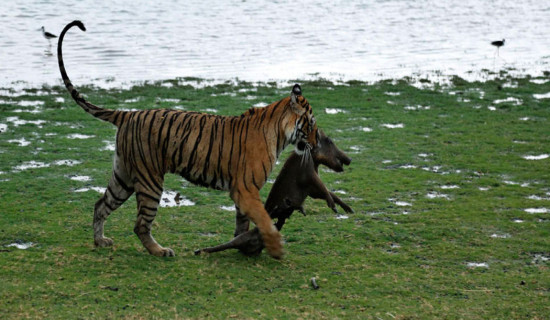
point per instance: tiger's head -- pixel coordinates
(305, 130)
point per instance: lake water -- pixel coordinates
(270, 40)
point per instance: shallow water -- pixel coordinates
(270, 40)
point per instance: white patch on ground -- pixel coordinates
(33, 103)
(19, 122)
(454, 186)
(512, 100)
(539, 157)
(437, 195)
(208, 234)
(37, 164)
(539, 258)
(418, 107)
(524, 119)
(22, 246)
(210, 110)
(168, 100)
(109, 146)
(81, 178)
(408, 166)
(387, 161)
(539, 81)
(34, 110)
(537, 210)
(403, 203)
(366, 129)
(340, 192)
(260, 105)
(30, 165)
(517, 221)
(491, 108)
(393, 126)
(500, 236)
(437, 169)
(3, 127)
(79, 136)
(355, 148)
(538, 198)
(245, 90)
(542, 96)
(97, 189)
(392, 93)
(424, 155)
(228, 208)
(59, 99)
(21, 142)
(69, 163)
(342, 217)
(132, 100)
(513, 183)
(174, 199)
(334, 111)
(477, 265)
(231, 94)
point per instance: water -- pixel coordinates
(270, 40)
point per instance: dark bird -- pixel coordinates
(498, 44)
(47, 35)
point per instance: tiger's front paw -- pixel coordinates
(273, 244)
(103, 242)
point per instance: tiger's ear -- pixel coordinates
(294, 104)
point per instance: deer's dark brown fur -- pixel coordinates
(298, 179)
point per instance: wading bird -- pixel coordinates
(47, 35)
(498, 44)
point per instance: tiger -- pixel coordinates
(231, 153)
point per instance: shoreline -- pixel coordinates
(421, 79)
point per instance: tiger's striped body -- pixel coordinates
(233, 153)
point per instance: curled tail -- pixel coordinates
(98, 112)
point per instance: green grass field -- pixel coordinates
(450, 185)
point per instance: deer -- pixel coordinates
(298, 179)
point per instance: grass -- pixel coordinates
(458, 165)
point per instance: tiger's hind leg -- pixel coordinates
(118, 191)
(148, 202)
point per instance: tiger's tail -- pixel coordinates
(98, 112)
